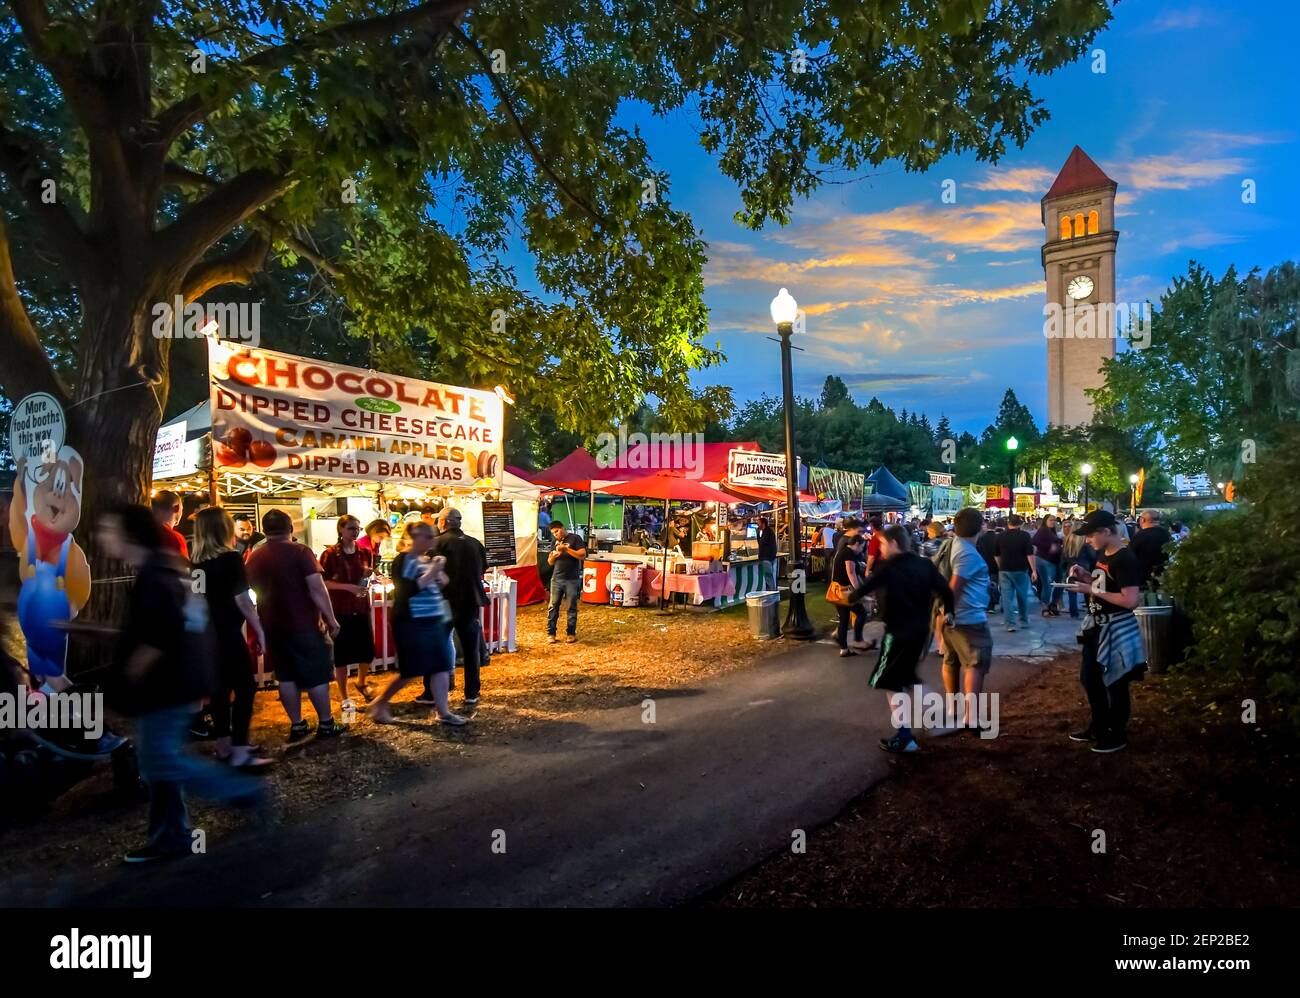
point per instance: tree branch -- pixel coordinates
(189, 111)
(24, 365)
(529, 143)
(239, 266)
(23, 162)
(175, 175)
(204, 222)
(281, 233)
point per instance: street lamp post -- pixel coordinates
(1087, 470)
(1012, 444)
(797, 625)
(1132, 495)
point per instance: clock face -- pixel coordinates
(1079, 288)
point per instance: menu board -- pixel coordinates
(499, 533)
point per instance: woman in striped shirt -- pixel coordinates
(421, 625)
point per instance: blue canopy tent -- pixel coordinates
(887, 485)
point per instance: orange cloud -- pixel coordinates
(1025, 179)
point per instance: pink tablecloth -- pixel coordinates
(699, 587)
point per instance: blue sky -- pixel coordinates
(938, 307)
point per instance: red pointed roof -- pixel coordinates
(1079, 173)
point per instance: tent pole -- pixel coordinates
(663, 579)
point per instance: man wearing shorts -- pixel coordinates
(292, 602)
(967, 643)
(908, 584)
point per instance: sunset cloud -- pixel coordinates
(1025, 179)
(1181, 172)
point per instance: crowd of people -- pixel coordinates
(199, 612)
(930, 580)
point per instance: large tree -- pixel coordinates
(404, 150)
(1220, 373)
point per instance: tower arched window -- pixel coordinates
(1065, 227)
(1078, 224)
(1093, 220)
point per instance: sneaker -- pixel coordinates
(471, 701)
(570, 639)
(898, 745)
(299, 731)
(847, 653)
(551, 639)
(453, 720)
(1011, 629)
(329, 728)
(199, 728)
(1085, 735)
(1111, 743)
(424, 700)
(152, 854)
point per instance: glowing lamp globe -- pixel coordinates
(1012, 443)
(784, 309)
(1086, 469)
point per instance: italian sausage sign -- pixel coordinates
(274, 412)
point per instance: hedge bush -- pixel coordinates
(1238, 576)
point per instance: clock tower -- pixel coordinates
(1078, 214)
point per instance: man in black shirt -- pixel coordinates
(908, 585)
(1113, 655)
(466, 563)
(566, 580)
(1017, 568)
(766, 556)
(164, 663)
(247, 536)
(986, 545)
(1148, 546)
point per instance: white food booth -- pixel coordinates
(319, 440)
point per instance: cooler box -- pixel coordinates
(625, 584)
(595, 581)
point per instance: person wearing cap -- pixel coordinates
(1113, 655)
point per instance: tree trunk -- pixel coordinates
(113, 423)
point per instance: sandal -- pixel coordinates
(243, 757)
(299, 731)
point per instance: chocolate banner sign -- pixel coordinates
(274, 412)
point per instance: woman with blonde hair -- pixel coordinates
(219, 575)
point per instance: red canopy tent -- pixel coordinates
(576, 471)
(668, 485)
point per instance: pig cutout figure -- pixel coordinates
(54, 574)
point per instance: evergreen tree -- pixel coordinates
(834, 391)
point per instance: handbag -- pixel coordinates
(839, 594)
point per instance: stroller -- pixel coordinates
(39, 765)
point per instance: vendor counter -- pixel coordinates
(718, 583)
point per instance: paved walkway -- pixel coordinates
(611, 811)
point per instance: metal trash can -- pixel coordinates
(1156, 624)
(764, 615)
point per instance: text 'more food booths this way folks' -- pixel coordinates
(320, 440)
